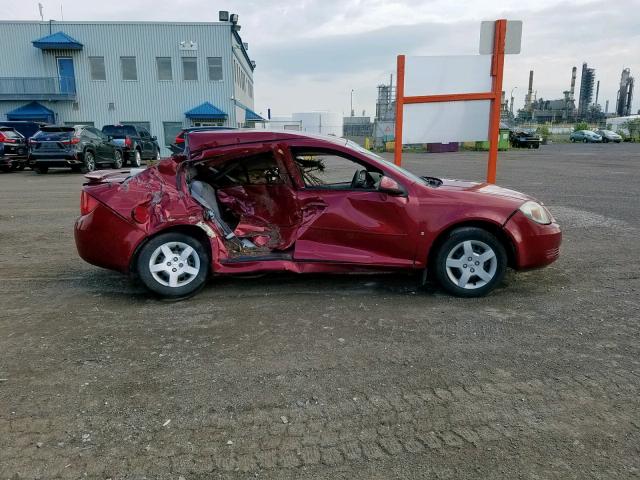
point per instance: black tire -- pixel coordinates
(573, 140)
(135, 160)
(153, 248)
(585, 140)
(117, 159)
(20, 167)
(6, 168)
(605, 140)
(89, 162)
(537, 145)
(453, 245)
(41, 169)
(158, 157)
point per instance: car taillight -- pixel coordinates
(140, 213)
(127, 141)
(5, 139)
(71, 141)
(87, 203)
(179, 140)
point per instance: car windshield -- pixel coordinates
(119, 131)
(393, 166)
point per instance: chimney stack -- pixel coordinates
(574, 72)
(597, 92)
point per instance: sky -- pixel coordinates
(311, 54)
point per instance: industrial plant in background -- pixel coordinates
(587, 108)
(625, 94)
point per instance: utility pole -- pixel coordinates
(512, 99)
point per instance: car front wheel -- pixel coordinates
(173, 265)
(470, 263)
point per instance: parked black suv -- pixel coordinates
(14, 149)
(80, 147)
(136, 143)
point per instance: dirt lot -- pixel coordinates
(326, 376)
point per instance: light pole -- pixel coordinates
(352, 102)
(512, 99)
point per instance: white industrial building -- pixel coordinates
(160, 75)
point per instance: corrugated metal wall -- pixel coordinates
(144, 100)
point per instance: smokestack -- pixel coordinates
(597, 91)
(574, 72)
(530, 82)
(606, 107)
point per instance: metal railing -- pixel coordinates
(37, 88)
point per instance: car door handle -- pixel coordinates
(314, 205)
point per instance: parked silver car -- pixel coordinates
(609, 136)
(586, 136)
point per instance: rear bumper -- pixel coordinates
(9, 161)
(56, 159)
(105, 239)
(536, 245)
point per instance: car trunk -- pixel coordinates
(52, 139)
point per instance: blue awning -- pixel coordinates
(252, 116)
(57, 41)
(206, 111)
(34, 112)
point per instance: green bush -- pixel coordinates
(581, 126)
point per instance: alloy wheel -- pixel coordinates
(117, 162)
(89, 162)
(174, 264)
(471, 264)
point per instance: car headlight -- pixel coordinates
(536, 212)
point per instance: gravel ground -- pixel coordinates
(336, 377)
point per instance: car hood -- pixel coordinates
(483, 189)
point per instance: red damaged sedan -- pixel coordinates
(256, 201)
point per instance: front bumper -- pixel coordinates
(535, 245)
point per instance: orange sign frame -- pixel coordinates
(495, 95)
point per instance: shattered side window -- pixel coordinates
(260, 169)
(326, 169)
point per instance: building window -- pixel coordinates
(189, 68)
(96, 67)
(146, 125)
(171, 129)
(215, 68)
(128, 65)
(164, 68)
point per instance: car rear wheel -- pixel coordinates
(585, 141)
(470, 263)
(89, 164)
(136, 160)
(41, 169)
(158, 157)
(117, 159)
(173, 265)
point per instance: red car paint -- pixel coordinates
(322, 230)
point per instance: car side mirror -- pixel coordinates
(389, 186)
(154, 138)
(109, 137)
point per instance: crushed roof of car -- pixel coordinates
(199, 140)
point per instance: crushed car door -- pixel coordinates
(349, 220)
(253, 188)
